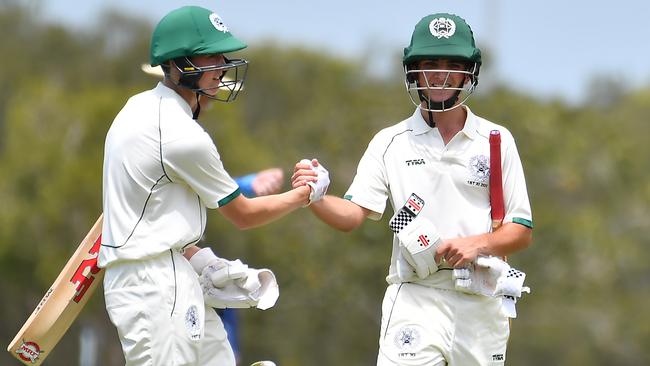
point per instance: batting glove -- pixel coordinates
(319, 187)
(418, 242)
(491, 276)
(218, 270)
(259, 289)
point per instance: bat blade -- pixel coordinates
(62, 302)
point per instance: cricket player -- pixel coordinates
(433, 167)
(161, 172)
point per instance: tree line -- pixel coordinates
(586, 170)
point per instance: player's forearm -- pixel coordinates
(509, 238)
(339, 213)
(249, 213)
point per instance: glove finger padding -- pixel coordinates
(267, 291)
(491, 276)
(217, 270)
(480, 277)
(512, 284)
(230, 296)
(509, 288)
(419, 240)
(225, 271)
(258, 288)
(205, 257)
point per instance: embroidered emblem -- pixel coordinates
(407, 339)
(479, 170)
(442, 27)
(218, 23)
(193, 323)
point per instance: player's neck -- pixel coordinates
(449, 123)
(187, 95)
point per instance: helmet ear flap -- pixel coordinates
(190, 74)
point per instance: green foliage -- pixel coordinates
(586, 168)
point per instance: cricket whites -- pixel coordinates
(61, 303)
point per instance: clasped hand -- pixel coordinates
(313, 174)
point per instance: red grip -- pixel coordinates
(496, 182)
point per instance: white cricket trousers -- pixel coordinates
(157, 306)
(426, 326)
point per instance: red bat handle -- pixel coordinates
(496, 182)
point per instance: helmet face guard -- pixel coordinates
(231, 80)
(418, 92)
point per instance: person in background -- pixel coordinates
(262, 183)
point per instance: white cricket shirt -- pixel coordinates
(453, 180)
(161, 171)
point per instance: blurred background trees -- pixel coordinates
(586, 168)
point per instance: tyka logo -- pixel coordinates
(82, 279)
(415, 162)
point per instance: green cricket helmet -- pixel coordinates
(194, 31)
(441, 36)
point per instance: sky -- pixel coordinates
(547, 49)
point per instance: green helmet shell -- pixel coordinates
(191, 31)
(442, 35)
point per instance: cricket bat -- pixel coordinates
(61, 303)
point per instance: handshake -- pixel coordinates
(232, 284)
(313, 174)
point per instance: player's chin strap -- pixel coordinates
(187, 80)
(440, 106)
(195, 114)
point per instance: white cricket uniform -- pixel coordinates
(425, 321)
(161, 171)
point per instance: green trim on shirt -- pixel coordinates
(224, 201)
(348, 197)
(520, 221)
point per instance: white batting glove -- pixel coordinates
(318, 188)
(480, 277)
(218, 270)
(491, 276)
(418, 242)
(258, 289)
